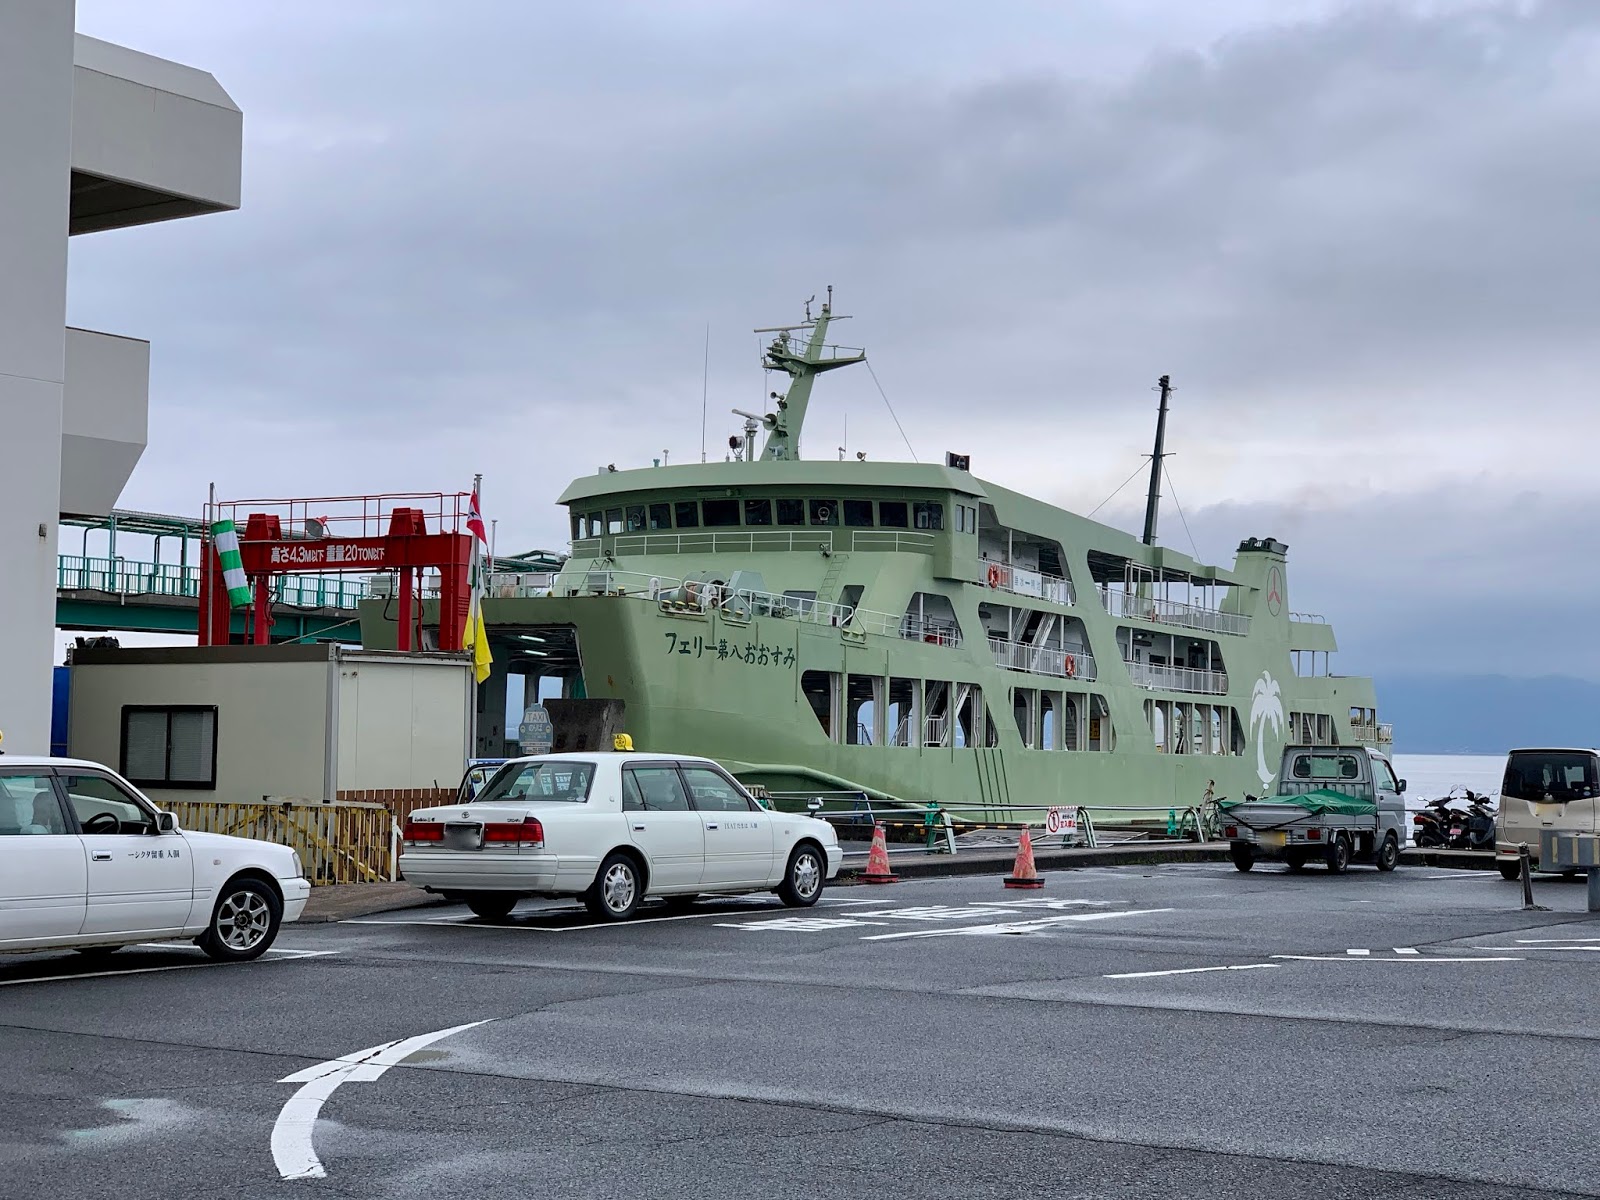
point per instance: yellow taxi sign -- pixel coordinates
(622, 742)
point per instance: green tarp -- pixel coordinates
(1323, 800)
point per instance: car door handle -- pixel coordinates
(710, 826)
(639, 828)
(102, 856)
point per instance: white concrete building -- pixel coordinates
(93, 137)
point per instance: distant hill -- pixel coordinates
(1488, 714)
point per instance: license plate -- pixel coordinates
(1275, 839)
(460, 836)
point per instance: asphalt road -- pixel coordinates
(1126, 1032)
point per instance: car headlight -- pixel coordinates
(299, 867)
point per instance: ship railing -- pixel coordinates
(1308, 618)
(1179, 679)
(1173, 612)
(1372, 733)
(1021, 581)
(756, 541)
(933, 633)
(1043, 660)
(521, 583)
(125, 577)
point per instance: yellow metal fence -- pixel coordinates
(342, 842)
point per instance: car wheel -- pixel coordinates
(1244, 857)
(804, 878)
(243, 923)
(1389, 854)
(617, 889)
(1510, 871)
(1338, 856)
(491, 906)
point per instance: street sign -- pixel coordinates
(1061, 820)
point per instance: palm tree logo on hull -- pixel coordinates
(1266, 710)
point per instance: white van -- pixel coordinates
(1555, 789)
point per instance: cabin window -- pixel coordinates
(791, 512)
(661, 516)
(613, 520)
(597, 524)
(720, 512)
(966, 519)
(858, 512)
(758, 512)
(688, 514)
(928, 514)
(635, 518)
(824, 512)
(892, 514)
(577, 526)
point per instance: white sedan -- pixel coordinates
(88, 863)
(613, 829)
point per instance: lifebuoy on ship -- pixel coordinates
(994, 575)
(1070, 666)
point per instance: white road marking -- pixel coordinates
(292, 1150)
(1533, 949)
(475, 923)
(1358, 952)
(271, 956)
(1407, 950)
(1015, 927)
(1191, 971)
(1344, 958)
(1563, 941)
(797, 924)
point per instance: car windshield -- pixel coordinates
(1551, 775)
(518, 783)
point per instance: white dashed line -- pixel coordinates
(1191, 971)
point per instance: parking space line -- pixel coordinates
(1191, 971)
(1016, 927)
(271, 956)
(1418, 958)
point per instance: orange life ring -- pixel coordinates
(994, 575)
(1070, 666)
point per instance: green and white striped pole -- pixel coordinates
(226, 539)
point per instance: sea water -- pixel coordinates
(1429, 776)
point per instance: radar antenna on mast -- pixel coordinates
(803, 358)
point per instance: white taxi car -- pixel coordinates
(613, 829)
(88, 863)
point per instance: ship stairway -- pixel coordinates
(828, 589)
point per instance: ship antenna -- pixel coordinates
(1152, 506)
(803, 360)
(705, 387)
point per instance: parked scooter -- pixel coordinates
(1473, 829)
(1433, 826)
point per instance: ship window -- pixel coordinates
(928, 514)
(688, 514)
(858, 512)
(791, 512)
(577, 526)
(758, 512)
(892, 514)
(635, 518)
(720, 512)
(661, 516)
(613, 520)
(597, 524)
(824, 512)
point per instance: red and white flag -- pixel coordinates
(475, 519)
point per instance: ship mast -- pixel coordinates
(1152, 504)
(804, 361)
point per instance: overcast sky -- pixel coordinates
(1361, 237)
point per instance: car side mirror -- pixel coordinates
(166, 823)
(1402, 786)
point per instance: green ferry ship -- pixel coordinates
(916, 633)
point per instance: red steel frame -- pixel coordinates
(408, 533)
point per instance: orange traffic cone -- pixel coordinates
(1024, 874)
(878, 860)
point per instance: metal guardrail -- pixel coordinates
(343, 842)
(747, 540)
(1179, 679)
(1173, 612)
(128, 577)
(1021, 581)
(1042, 660)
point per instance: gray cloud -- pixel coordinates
(490, 237)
